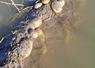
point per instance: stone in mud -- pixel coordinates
(38, 5)
(57, 5)
(45, 1)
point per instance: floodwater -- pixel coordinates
(77, 53)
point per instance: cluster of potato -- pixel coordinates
(56, 5)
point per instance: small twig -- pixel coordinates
(15, 5)
(10, 3)
(1, 39)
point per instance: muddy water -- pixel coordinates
(78, 53)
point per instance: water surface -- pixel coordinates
(78, 53)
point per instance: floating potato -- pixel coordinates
(38, 5)
(57, 5)
(45, 1)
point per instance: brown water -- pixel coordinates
(78, 53)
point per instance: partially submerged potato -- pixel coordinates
(26, 48)
(28, 44)
(38, 5)
(38, 33)
(57, 5)
(35, 23)
(45, 1)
